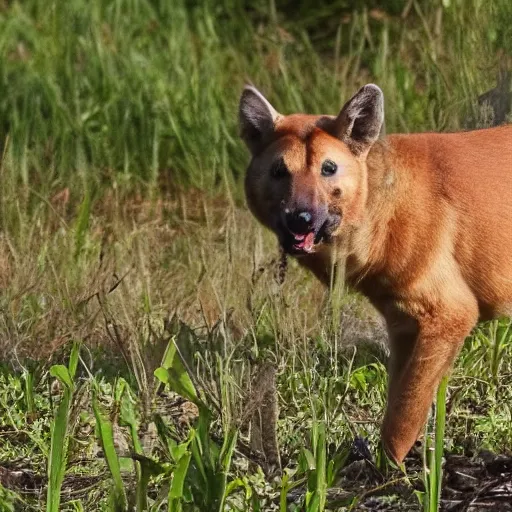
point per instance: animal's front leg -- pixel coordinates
(419, 359)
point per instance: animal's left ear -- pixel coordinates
(361, 119)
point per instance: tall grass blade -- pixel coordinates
(58, 452)
(28, 385)
(225, 457)
(105, 433)
(59, 439)
(178, 482)
(321, 467)
(128, 418)
(436, 471)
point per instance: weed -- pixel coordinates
(59, 441)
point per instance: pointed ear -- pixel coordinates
(361, 119)
(257, 117)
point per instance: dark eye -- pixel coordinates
(279, 170)
(329, 168)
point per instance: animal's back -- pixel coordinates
(471, 173)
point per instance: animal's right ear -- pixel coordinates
(257, 118)
(361, 120)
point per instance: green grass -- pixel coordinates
(57, 459)
(121, 208)
(129, 90)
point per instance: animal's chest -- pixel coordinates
(376, 287)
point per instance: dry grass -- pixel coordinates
(201, 258)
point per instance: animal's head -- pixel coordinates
(307, 177)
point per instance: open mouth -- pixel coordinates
(306, 242)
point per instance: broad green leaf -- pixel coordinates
(59, 371)
(228, 447)
(57, 459)
(306, 460)
(179, 450)
(73, 359)
(238, 483)
(58, 452)
(106, 437)
(179, 382)
(168, 356)
(119, 389)
(162, 375)
(165, 436)
(178, 478)
(176, 376)
(195, 448)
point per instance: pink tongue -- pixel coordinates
(305, 242)
(309, 241)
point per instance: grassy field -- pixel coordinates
(151, 359)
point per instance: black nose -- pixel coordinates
(299, 221)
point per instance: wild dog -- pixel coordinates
(421, 224)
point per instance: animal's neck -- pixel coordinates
(368, 242)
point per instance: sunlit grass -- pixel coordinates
(130, 91)
(121, 206)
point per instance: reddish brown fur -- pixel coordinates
(426, 236)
